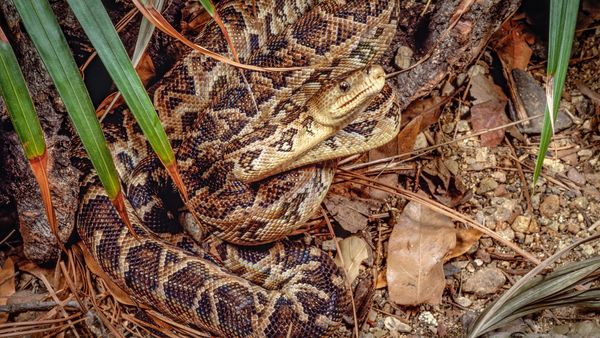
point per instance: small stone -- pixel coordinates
(576, 177)
(554, 166)
(521, 224)
(504, 208)
(499, 176)
(420, 142)
(470, 268)
(452, 166)
(549, 206)
(588, 250)
(585, 153)
(573, 228)
(403, 57)
(463, 126)
(478, 262)
(528, 239)
(591, 192)
(580, 202)
(594, 179)
(463, 301)
(328, 245)
(427, 318)
(483, 255)
(507, 233)
(501, 191)
(534, 227)
(487, 184)
(485, 281)
(372, 316)
(396, 325)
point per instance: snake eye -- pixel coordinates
(344, 86)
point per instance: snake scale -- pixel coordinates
(256, 152)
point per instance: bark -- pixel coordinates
(445, 40)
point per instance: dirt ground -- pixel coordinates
(485, 177)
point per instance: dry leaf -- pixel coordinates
(381, 281)
(465, 238)
(512, 45)
(351, 213)
(429, 109)
(483, 89)
(7, 285)
(489, 115)
(408, 135)
(353, 251)
(418, 243)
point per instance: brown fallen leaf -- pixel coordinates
(465, 238)
(429, 109)
(353, 251)
(408, 135)
(351, 213)
(7, 285)
(418, 244)
(512, 45)
(489, 115)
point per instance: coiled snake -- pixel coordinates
(255, 152)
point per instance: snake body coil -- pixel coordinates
(254, 150)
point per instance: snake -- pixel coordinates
(256, 151)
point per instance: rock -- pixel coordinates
(463, 301)
(420, 142)
(329, 245)
(403, 57)
(504, 208)
(549, 206)
(487, 184)
(452, 166)
(534, 227)
(501, 191)
(584, 154)
(427, 318)
(591, 192)
(580, 202)
(483, 255)
(533, 96)
(554, 166)
(499, 176)
(573, 228)
(485, 281)
(507, 233)
(463, 126)
(576, 177)
(594, 179)
(396, 325)
(521, 224)
(588, 250)
(553, 226)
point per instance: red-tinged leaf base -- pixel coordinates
(39, 166)
(174, 173)
(119, 203)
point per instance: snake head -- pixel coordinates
(338, 100)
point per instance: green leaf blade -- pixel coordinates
(39, 20)
(19, 103)
(96, 23)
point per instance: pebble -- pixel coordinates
(534, 227)
(521, 224)
(507, 233)
(427, 318)
(485, 281)
(396, 325)
(328, 245)
(554, 166)
(573, 227)
(549, 206)
(478, 262)
(403, 57)
(576, 177)
(580, 202)
(487, 184)
(499, 176)
(452, 166)
(420, 142)
(585, 153)
(588, 250)
(463, 301)
(594, 179)
(504, 209)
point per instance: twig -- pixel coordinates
(36, 306)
